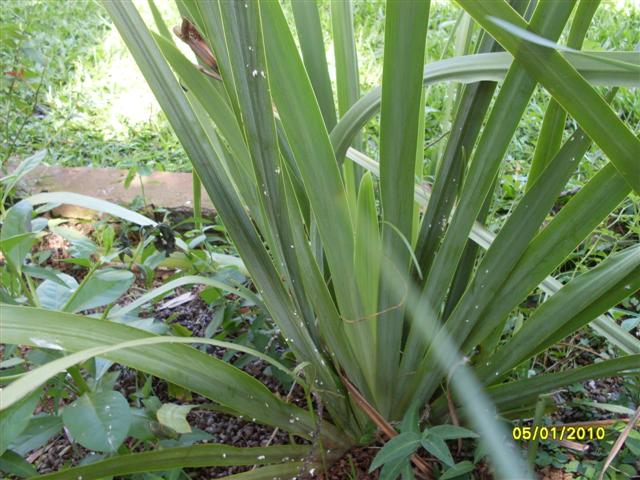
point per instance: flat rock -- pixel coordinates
(172, 191)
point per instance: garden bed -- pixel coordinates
(185, 308)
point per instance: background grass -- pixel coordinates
(95, 109)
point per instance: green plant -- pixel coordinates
(380, 300)
(395, 455)
(97, 416)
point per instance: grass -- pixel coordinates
(95, 109)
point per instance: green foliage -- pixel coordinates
(99, 421)
(100, 418)
(395, 454)
(363, 289)
(175, 417)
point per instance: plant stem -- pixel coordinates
(197, 200)
(78, 379)
(537, 420)
(92, 269)
(29, 290)
(26, 119)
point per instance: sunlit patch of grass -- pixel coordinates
(94, 108)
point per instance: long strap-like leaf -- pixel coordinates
(566, 86)
(477, 68)
(309, 29)
(573, 306)
(189, 457)
(214, 177)
(179, 364)
(554, 117)
(30, 381)
(549, 18)
(527, 275)
(405, 39)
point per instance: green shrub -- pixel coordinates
(376, 281)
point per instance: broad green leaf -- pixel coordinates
(15, 420)
(392, 469)
(10, 243)
(458, 470)
(44, 274)
(102, 288)
(21, 170)
(451, 432)
(411, 419)
(53, 295)
(175, 416)
(98, 420)
(142, 424)
(400, 446)
(81, 245)
(91, 203)
(17, 222)
(40, 429)
(437, 447)
(407, 472)
(187, 457)
(14, 464)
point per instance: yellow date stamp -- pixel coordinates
(560, 432)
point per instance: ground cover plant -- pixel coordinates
(373, 275)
